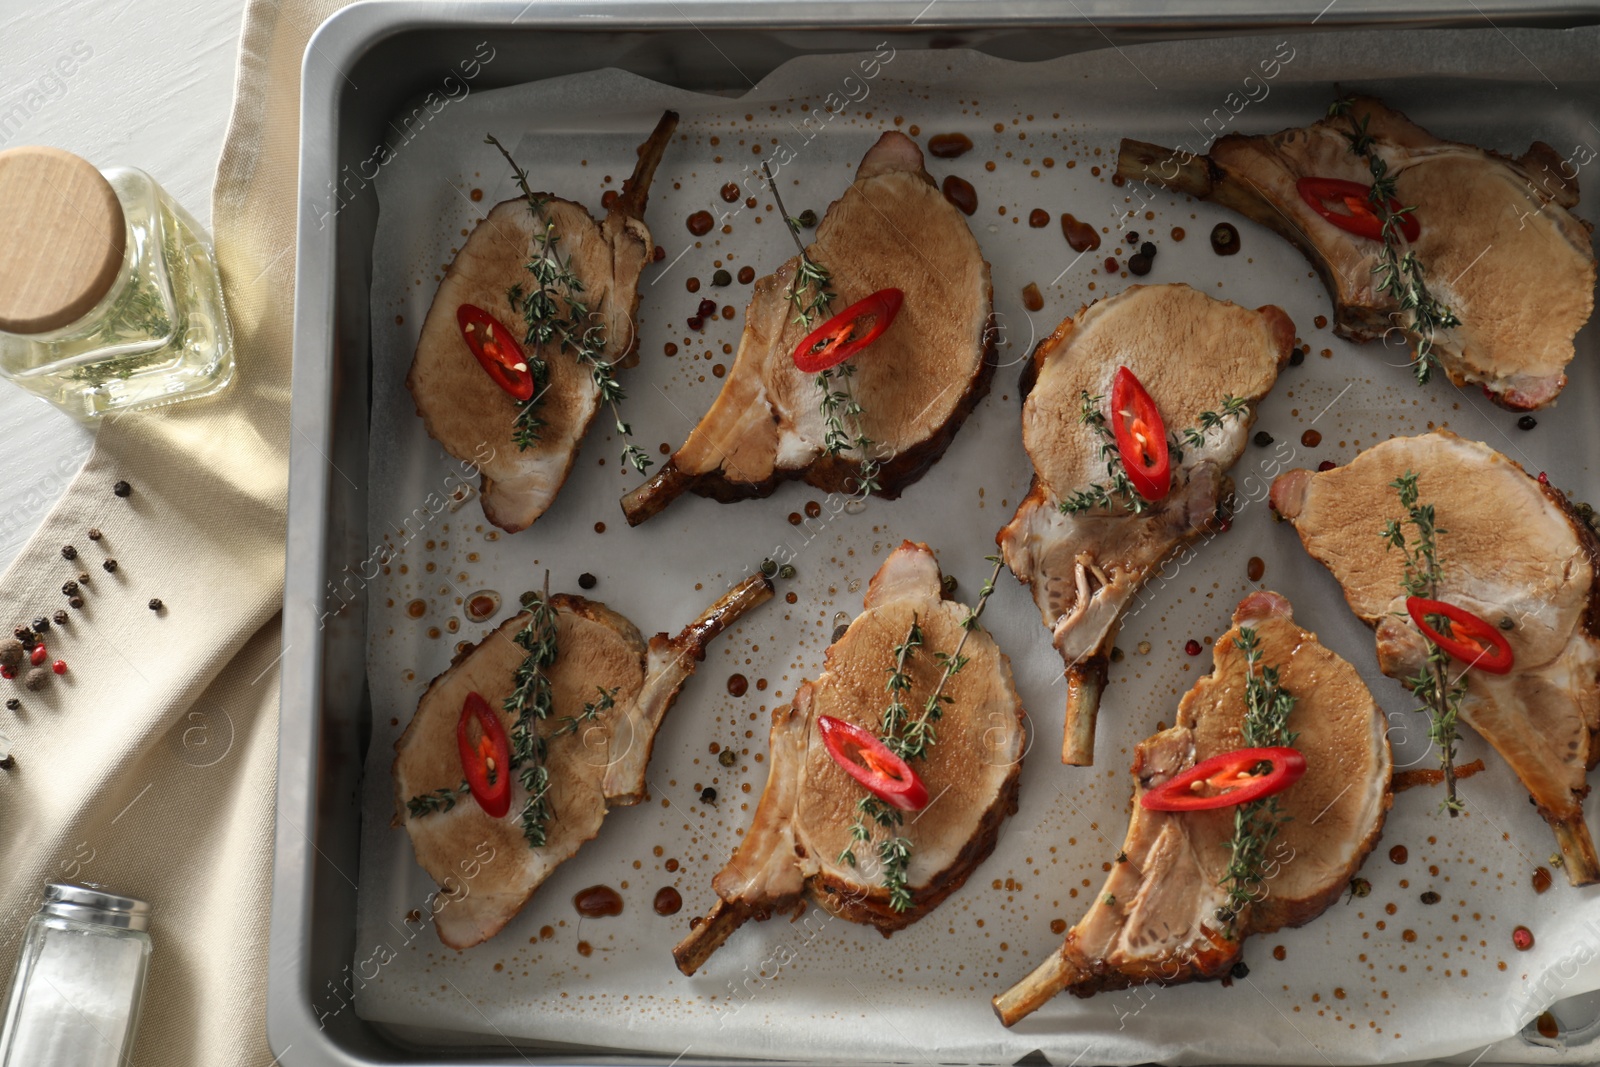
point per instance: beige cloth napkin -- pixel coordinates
(150, 767)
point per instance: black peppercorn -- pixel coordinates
(12, 704)
(61, 617)
(727, 757)
(68, 552)
(1148, 250)
(808, 218)
(83, 578)
(787, 571)
(1527, 422)
(1139, 264)
(1297, 356)
(1262, 438)
(1131, 239)
(708, 795)
(26, 636)
(111, 565)
(769, 568)
(155, 603)
(1240, 971)
(95, 534)
(122, 488)
(75, 602)
(69, 588)
(722, 277)
(587, 581)
(1430, 897)
(41, 624)
(7, 763)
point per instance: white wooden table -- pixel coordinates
(140, 83)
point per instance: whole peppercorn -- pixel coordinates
(59, 666)
(1360, 887)
(1297, 356)
(61, 617)
(94, 533)
(1240, 971)
(769, 567)
(1148, 250)
(808, 218)
(41, 624)
(11, 652)
(1139, 264)
(75, 603)
(110, 565)
(722, 277)
(708, 795)
(23, 634)
(83, 578)
(787, 571)
(68, 552)
(1262, 438)
(727, 757)
(7, 762)
(1527, 422)
(587, 581)
(36, 678)
(155, 603)
(122, 488)
(69, 588)
(12, 704)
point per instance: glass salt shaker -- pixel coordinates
(79, 981)
(110, 299)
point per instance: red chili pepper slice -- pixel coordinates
(496, 350)
(1472, 640)
(1229, 779)
(1141, 436)
(1357, 200)
(486, 759)
(848, 332)
(872, 763)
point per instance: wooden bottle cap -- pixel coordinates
(62, 237)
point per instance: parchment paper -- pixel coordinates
(1352, 986)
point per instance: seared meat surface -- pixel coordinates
(791, 850)
(1511, 551)
(1156, 917)
(1497, 240)
(1190, 352)
(461, 406)
(600, 763)
(917, 383)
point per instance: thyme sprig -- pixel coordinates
(1400, 275)
(591, 710)
(579, 331)
(438, 800)
(1117, 490)
(1441, 698)
(910, 739)
(811, 294)
(531, 701)
(1256, 824)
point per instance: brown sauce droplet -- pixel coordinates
(1080, 235)
(1224, 239)
(700, 223)
(477, 195)
(747, 275)
(730, 193)
(949, 146)
(417, 609)
(1058, 926)
(546, 932)
(670, 349)
(585, 949)
(599, 527)
(1311, 438)
(813, 509)
(1032, 299)
(960, 192)
(668, 901)
(692, 285)
(738, 685)
(608, 198)
(671, 865)
(1408, 935)
(1547, 1026)
(1255, 568)
(791, 597)
(597, 901)
(1398, 854)
(1038, 218)
(794, 518)
(1320, 321)
(1541, 879)
(1279, 952)
(1178, 235)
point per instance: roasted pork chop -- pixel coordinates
(463, 408)
(1497, 241)
(1511, 550)
(792, 849)
(593, 762)
(1191, 353)
(1157, 919)
(892, 228)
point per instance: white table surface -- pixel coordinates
(152, 90)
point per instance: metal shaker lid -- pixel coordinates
(91, 905)
(62, 239)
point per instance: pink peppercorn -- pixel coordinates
(1193, 647)
(59, 666)
(1522, 938)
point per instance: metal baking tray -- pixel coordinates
(363, 67)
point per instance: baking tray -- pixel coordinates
(365, 66)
